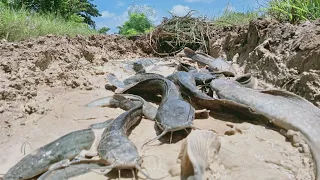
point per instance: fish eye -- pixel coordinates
(20, 177)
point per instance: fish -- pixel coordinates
(39, 161)
(115, 149)
(217, 65)
(281, 108)
(173, 112)
(58, 152)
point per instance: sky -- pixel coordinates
(115, 12)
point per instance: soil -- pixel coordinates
(46, 83)
(281, 54)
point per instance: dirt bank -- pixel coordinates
(282, 54)
(28, 67)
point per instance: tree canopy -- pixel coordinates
(138, 23)
(77, 10)
(103, 30)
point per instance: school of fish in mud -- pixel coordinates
(190, 93)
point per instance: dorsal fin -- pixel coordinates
(283, 93)
(289, 95)
(204, 54)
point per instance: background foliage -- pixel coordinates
(73, 10)
(138, 23)
(294, 10)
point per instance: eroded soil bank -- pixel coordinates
(45, 84)
(284, 55)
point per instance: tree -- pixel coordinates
(82, 10)
(138, 23)
(103, 30)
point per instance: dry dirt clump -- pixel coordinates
(285, 55)
(51, 62)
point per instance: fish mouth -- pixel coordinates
(130, 165)
(172, 129)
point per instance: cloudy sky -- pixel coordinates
(115, 12)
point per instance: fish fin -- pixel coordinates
(200, 150)
(182, 148)
(80, 160)
(204, 54)
(285, 94)
(105, 101)
(59, 165)
(189, 52)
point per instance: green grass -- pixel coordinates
(294, 10)
(16, 25)
(235, 18)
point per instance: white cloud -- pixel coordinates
(120, 3)
(107, 14)
(230, 8)
(180, 10)
(192, 1)
(112, 20)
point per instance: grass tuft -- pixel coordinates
(294, 10)
(16, 25)
(235, 18)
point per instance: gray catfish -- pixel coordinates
(39, 161)
(128, 101)
(202, 76)
(64, 148)
(139, 65)
(140, 77)
(115, 149)
(187, 84)
(217, 65)
(283, 109)
(173, 113)
(114, 80)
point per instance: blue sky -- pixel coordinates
(115, 13)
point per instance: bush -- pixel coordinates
(138, 23)
(294, 10)
(18, 25)
(103, 30)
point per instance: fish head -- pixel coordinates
(119, 151)
(175, 114)
(24, 169)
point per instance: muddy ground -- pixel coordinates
(45, 84)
